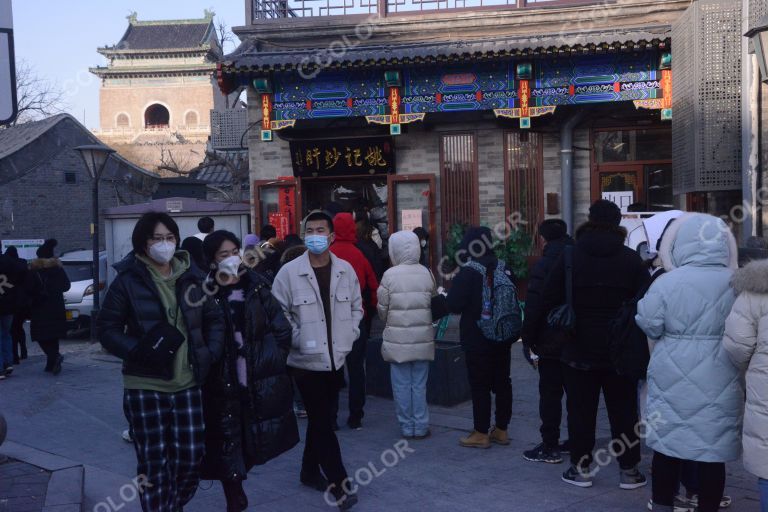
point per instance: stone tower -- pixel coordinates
(157, 90)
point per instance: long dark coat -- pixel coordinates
(244, 428)
(48, 282)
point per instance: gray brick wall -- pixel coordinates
(44, 206)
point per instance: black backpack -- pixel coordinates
(627, 342)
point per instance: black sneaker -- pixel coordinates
(8, 370)
(543, 453)
(355, 424)
(577, 477)
(565, 447)
(344, 500)
(315, 481)
(632, 479)
(56, 369)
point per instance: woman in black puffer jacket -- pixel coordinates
(248, 399)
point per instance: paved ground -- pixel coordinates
(78, 416)
(22, 487)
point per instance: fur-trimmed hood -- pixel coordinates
(699, 240)
(41, 263)
(752, 278)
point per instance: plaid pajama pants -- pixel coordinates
(169, 437)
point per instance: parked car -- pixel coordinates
(79, 299)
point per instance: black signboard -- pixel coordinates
(343, 157)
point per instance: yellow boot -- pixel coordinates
(499, 436)
(475, 440)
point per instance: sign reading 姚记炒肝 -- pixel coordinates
(8, 106)
(343, 157)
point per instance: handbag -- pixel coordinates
(563, 318)
(160, 344)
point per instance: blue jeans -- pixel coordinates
(6, 341)
(409, 389)
(763, 484)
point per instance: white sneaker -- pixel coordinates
(126, 435)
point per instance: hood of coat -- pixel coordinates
(698, 240)
(344, 227)
(600, 239)
(752, 278)
(41, 263)
(404, 248)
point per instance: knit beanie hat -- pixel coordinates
(603, 211)
(46, 250)
(251, 240)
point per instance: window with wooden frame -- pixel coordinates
(459, 194)
(523, 179)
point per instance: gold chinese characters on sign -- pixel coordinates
(343, 157)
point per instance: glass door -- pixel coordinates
(622, 184)
(412, 205)
(276, 203)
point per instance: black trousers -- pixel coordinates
(51, 350)
(551, 391)
(321, 447)
(489, 373)
(666, 475)
(19, 338)
(355, 363)
(620, 394)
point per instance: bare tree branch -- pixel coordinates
(37, 97)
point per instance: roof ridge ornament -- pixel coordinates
(133, 18)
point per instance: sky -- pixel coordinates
(59, 38)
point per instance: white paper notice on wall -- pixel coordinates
(411, 219)
(622, 199)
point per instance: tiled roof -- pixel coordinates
(247, 58)
(165, 34)
(217, 173)
(23, 147)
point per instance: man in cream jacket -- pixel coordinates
(320, 296)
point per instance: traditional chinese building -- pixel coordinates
(437, 113)
(157, 90)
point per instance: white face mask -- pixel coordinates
(423, 243)
(230, 265)
(162, 252)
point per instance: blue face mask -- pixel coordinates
(316, 244)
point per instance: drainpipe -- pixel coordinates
(566, 165)
(750, 89)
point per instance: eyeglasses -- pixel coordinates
(156, 239)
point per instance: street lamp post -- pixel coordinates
(95, 157)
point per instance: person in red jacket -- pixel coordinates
(344, 247)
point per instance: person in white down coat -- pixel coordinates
(746, 341)
(405, 296)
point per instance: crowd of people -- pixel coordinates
(225, 342)
(32, 290)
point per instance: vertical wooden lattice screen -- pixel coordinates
(523, 177)
(459, 182)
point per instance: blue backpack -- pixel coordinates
(503, 319)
